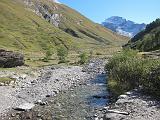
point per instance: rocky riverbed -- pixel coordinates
(36, 97)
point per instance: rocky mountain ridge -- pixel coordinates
(122, 26)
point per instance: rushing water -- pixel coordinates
(81, 102)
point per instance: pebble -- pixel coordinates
(38, 102)
(39, 115)
(13, 115)
(122, 97)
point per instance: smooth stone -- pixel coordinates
(39, 115)
(25, 106)
(122, 97)
(2, 84)
(39, 101)
(128, 93)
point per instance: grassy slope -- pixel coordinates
(91, 33)
(23, 30)
(103, 37)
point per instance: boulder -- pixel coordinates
(25, 106)
(9, 59)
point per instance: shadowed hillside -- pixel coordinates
(147, 40)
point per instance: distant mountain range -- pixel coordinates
(122, 26)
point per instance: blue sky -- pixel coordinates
(140, 11)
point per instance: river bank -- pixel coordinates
(127, 71)
(133, 105)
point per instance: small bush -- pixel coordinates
(98, 53)
(91, 54)
(62, 53)
(83, 58)
(48, 55)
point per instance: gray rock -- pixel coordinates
(122, 97)
(25, 106)
(13, 115)
(113, 116)
(128, 93)
(39, 115)
(39, 102)
(10, 59)
(2, 84)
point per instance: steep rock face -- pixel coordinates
(45, 11)
(123, 26)
(10, 59)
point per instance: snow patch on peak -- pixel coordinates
(123, 26)
(121, 32)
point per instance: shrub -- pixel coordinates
(127, 71)
(119, 58)
(83, 58)
(151, 84)
(62, 53)
(91, 54)
(48, 55)
(98, 53)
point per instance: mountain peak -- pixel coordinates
(123, 26)
(116, 20)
